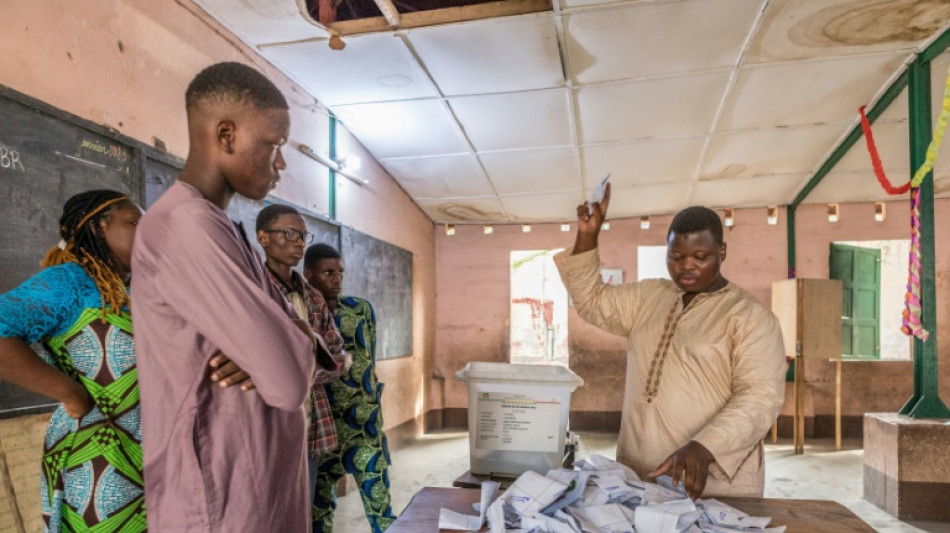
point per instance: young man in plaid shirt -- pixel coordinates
(282, 233)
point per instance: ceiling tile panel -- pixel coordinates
(897, 110)
(440, 177)
(403, 129)
(893, 145)
(543, 207)
(799, 29)
(643, 162)
(657, 38)
(813, 92)
(749, 192)
(653, 108)
(516, 120)
(533, 170)
(773, 151)
(372, 68)
(647, 200)
(480, 210)
(491, 55)
(845, 187)
(262, 21)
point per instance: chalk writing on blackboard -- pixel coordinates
(116, 152)
(10, 159)
(79, 159)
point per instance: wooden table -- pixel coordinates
(799, 516)
(468, 480)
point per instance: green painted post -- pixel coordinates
(790, 232)
(926, 402)
(332, 153)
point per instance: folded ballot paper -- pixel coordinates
(597, 195)
(600, 496)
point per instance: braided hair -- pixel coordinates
(82, 242)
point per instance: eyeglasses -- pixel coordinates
(292, 235)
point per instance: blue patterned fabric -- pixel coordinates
(362, 448)
(114, 492)
(92, 468)
(121, 358)
(47, 304)
(78, 482)
(86, 352)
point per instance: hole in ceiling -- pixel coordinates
(349, 17)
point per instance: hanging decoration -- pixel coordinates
(912, 323)
(912, 311)
(876, 158)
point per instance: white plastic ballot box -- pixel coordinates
(517, 416)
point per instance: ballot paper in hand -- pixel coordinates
(597, 195)
(449, 519)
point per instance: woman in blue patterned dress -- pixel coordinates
(77, 309)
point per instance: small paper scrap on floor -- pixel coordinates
(600, 496)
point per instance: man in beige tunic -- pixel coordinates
(705, 359)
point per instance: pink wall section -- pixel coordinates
(127, 64)
(881, 386)
(473, 286)
(472, 305)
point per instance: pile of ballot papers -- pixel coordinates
(599, 496)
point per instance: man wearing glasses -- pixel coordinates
(283, 235)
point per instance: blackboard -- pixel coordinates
(46, 156)
(161, 171)
(381, 273)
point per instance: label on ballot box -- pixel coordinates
(518, 422)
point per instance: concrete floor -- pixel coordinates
(821, 473)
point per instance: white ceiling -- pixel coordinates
(727, 103)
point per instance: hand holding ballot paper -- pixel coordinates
(591, 216)
(597, 195)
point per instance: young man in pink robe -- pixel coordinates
(219, 458)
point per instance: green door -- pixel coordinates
(859, 270)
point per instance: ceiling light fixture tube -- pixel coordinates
(332, 165)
